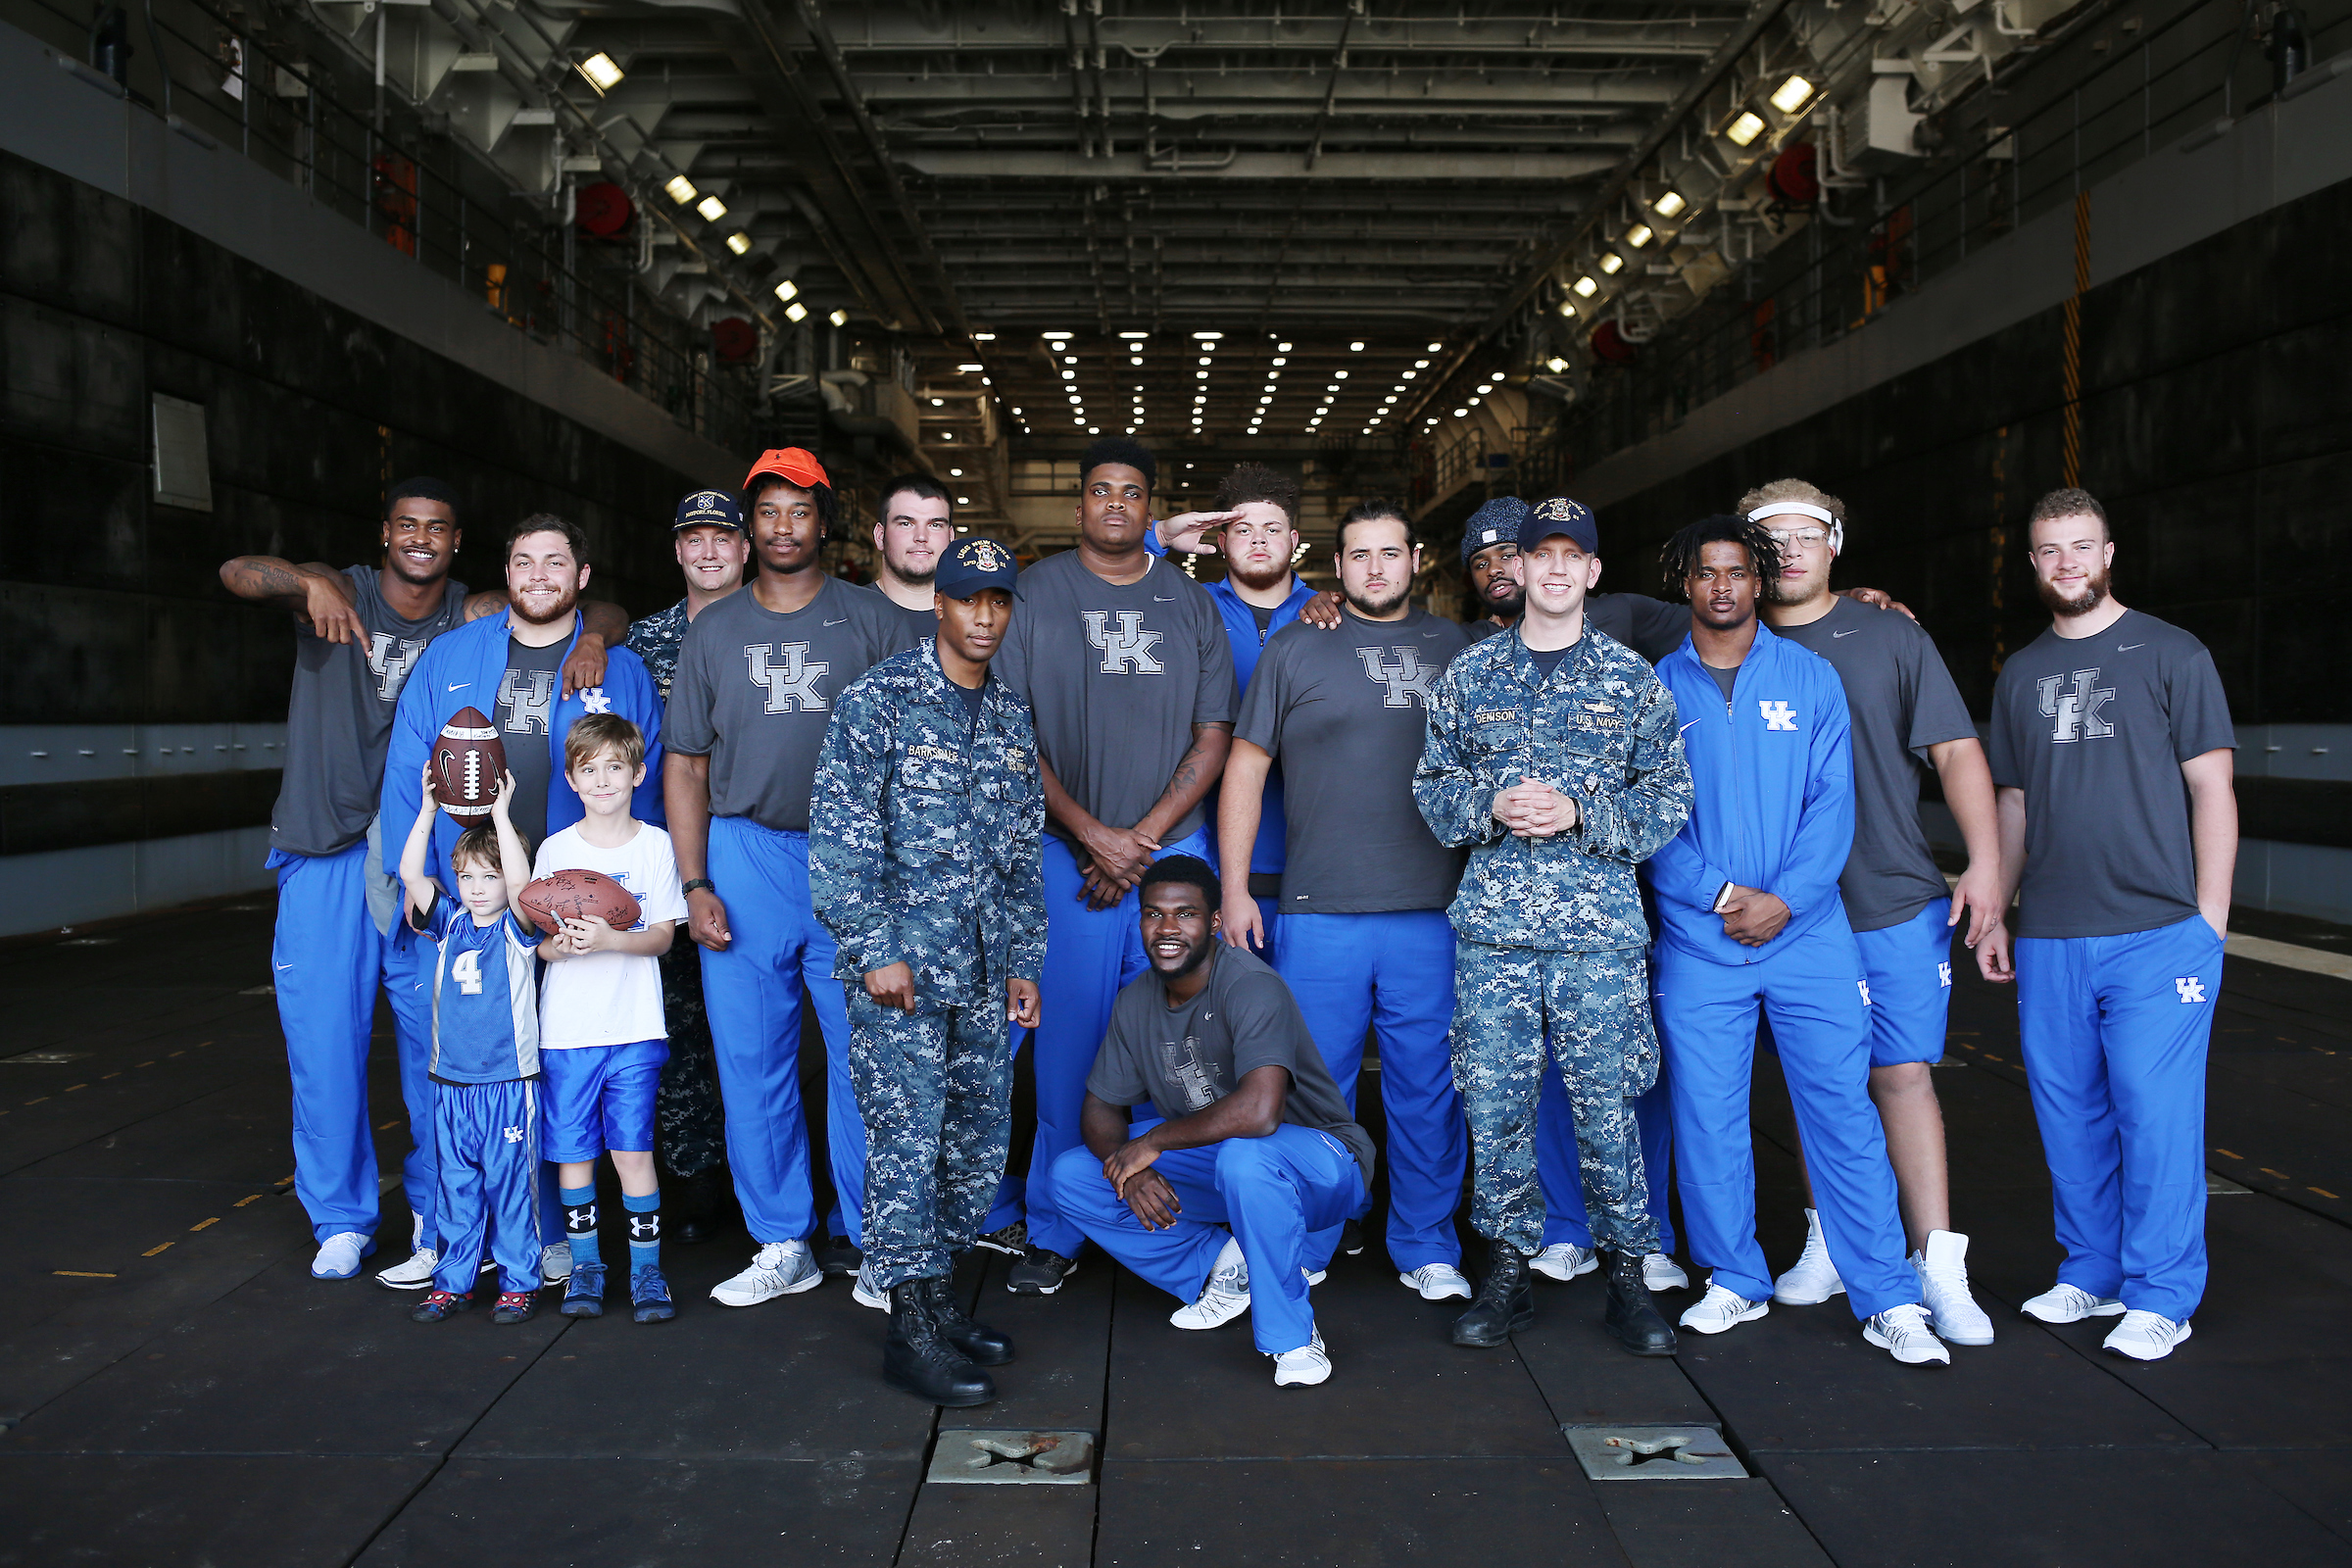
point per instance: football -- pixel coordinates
(468, 760)
(577, 896)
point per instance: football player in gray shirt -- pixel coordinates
(1908, 716)
(911, 533)
(2112, 754)
(757, 676)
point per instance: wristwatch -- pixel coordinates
(703, 882)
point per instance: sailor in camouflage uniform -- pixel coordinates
(690, 1129)
(1553, 751)
(923, 862)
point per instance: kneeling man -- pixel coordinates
(1256, 1166)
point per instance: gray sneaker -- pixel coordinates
(778, 1269)
(1039, 1272)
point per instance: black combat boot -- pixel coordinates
(693, 1207)
(980, 1344)
(918, 1360)
(1637, 1324)
(1505, 1303)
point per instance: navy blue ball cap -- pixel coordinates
(1494, 524)
(971, 564)
(1560, 515)
(708, 509)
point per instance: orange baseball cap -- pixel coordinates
(796, 466)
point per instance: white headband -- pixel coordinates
(1802, 509)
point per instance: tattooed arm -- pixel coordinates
(316, 594)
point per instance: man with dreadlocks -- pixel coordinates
(1748, 912)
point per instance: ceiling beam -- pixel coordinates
(1518, 167)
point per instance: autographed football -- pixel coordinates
(468, 760)
(563, 896)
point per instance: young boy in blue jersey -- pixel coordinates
(485, 1062)
(600, 1026)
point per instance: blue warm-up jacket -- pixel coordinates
(461, 669)
(1270, 854)
(1773, 771)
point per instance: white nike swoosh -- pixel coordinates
(281, 967)
(2125, 648)
(1847, 633)
(1159, 600)
(843, 621)
(458, 686)
(1687, 726)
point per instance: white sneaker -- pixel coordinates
(1307, 1365)
(1719, 1309)
(2069, 1304)
(1564, 1261)
(1437, 1281)
(1814, 1279)
(1224, 1297)
(865, 1293)
(1942, 1270)
(413, 1275)
(1663, 1273)
(2145, 1335)
(1313, 1276)
(778, 1269)
(339, 1255)
(554, 1263)
(1903, 1332)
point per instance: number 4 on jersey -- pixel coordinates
(466, 971)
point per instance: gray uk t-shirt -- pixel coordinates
(1115, 677)
(524, 720)
(1345, 712)
(1651, 627)
(1902, 701)
(755, 690)
(339, 717)
(2094, 730)
(1184, 1060)
(922, 624)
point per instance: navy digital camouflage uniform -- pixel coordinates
(688, 1124)
(923, 846)
(1550, 931)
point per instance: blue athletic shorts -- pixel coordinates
(1908, 969)
(599, 1097)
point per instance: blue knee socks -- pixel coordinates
(579, 1223)
(644, 1229)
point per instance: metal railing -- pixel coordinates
(2183, 74)
(422, 192)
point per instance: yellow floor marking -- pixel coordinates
(1989, 1056)
(152, 1250)
(37, 1099)
(2267, 1171)
(149, 1062)
(79, 1274)
(2226, 1154)
(104, 1076)
(70, 1088)
(201, 1224)
(2325, 1193)
(175, 1052)
(249, 1197)
(385, 1126)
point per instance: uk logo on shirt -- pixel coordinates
(528, 699)
(2075, 711)
(789, 674)
(1776, 716)
(391, 658)
(1127, 650)
(1407, 680)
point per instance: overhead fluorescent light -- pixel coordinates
(839, 317)
(1567, 307)
(787, 291)
(1208, 338)
(1585, 288)
(711, 208)
(1357, 347)
(1792, 96)
(983, 337)
(1556, 365)
(739, 242)
(1669, 205)
(796, 311)
(1054, 337)
(969, 369)
(1133, 336)
(1639, 235)
(679, 188)
(1610, 262)
(1744, 130)
(602, 73)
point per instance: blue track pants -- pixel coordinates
(1392, 972)
(1284, 1197)
(328, 960)
(2115, 1032)
(1810, 988)
(1089, 953)
(752, 993)
(487, 1137)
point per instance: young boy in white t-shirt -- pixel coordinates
(602, 1037)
